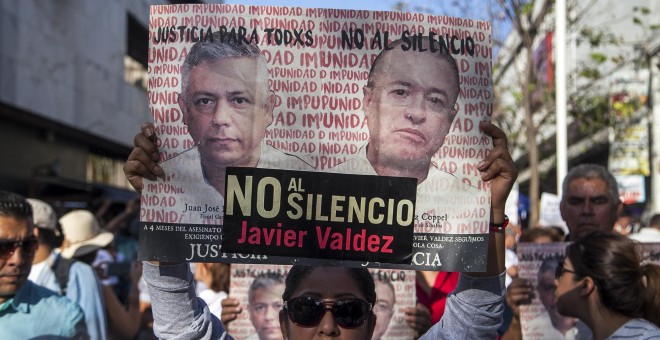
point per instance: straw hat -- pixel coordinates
(83, 234)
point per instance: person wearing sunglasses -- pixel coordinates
(315, 305)
(604, 282)
(27, 310)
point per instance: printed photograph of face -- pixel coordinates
(227, 106)
(546, 287)
(409, 104)
(384, 308)
(264, 305)
(588, 205)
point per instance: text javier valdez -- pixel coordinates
(319, 215)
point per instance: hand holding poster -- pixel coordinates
(347, 92)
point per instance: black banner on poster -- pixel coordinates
(319, 215)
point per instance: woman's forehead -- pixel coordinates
(329, 282)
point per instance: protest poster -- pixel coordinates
(301, 104)
(537, 262)
(259, 290)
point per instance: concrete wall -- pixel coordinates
(63, 60)
(62, 89)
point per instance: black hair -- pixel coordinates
(15, 205)
(263, 280)
(362, 277)
(592, 171)
(625, 284)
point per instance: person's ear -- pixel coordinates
(587, 286)
(269, 106)
(284, 328)
(367, 93)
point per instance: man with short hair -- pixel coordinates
(590, 200)
(410, 104)
(549, 320)
(27, 310)
(226, 105)
(264, 305)
(45, 259)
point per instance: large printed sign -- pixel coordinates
(303, 214)
(381, 94)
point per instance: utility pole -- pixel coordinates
(653, 57)
(560, 91)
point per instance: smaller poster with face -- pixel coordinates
(538, 263)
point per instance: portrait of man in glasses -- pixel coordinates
(550, 322)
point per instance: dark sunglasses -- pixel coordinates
(28, 246)
(306, 311)
(561, 270)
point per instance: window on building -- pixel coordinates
(105, 170)
(135, 60)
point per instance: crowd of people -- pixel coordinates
(602, 289)
(66, 276)
(591, 208)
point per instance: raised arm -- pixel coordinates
(498, 168)
(178, 313)
(475, 308)
(143, 160)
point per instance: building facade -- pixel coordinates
(72, 95)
